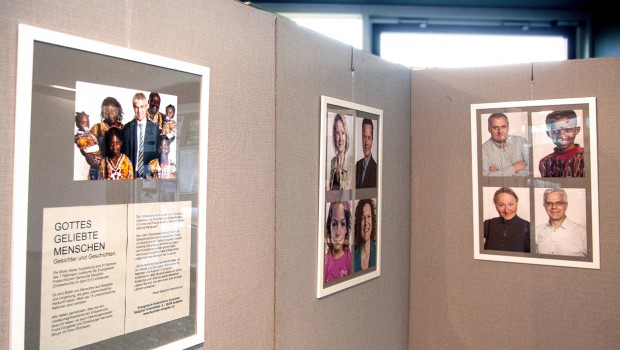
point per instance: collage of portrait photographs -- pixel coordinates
(123, 134)
(535, 177)
(349, 224)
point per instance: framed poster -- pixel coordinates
(535, 182)
(109, 197)
(349, 234)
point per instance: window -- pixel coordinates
(346, 28)
(427, 46)
(421, 50)
(419, 36)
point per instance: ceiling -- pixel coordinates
(521, 4)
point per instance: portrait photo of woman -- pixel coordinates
(508, 231)
(365, 253)
(341, 167)
(111, 117)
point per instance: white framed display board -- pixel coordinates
(349, 228)
(110, 193)
(535, 182)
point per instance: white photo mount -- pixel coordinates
(350, 190)
(46, 199)
(527, 119)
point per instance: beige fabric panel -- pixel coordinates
(457, 302)
(371, 315)
(8, 72)
(237, 43)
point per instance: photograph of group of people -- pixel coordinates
(123, 134)
(536, 182)
(93, 111)
(350, 234)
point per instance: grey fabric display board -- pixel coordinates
(267, 76)
(459, 302)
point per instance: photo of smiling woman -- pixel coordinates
(341, 169)
(338, 229)
(508, 231)
(365, 253)
(111, 117)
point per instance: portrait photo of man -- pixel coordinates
(567, 159)
(140, 138)
(366, 167)
(153, 114)
(557, 234)
(503, 153)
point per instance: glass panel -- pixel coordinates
(431, 50)
(346, 28)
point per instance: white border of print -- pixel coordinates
(359, 277)
(589, 127)
(27, 37)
